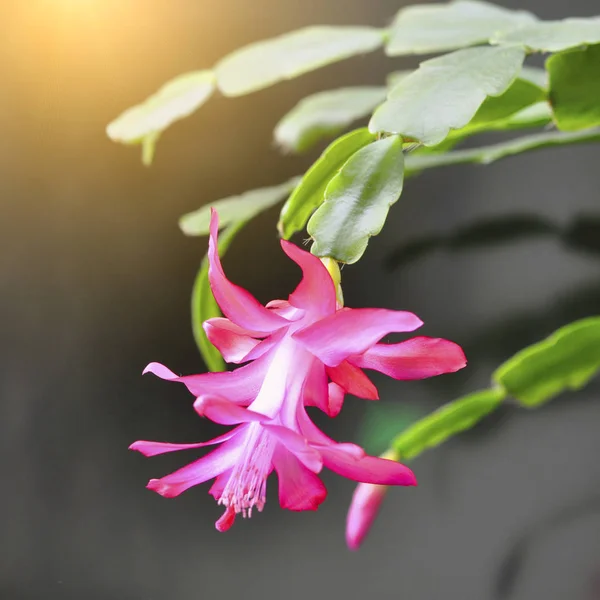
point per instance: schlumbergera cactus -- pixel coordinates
(310, 350)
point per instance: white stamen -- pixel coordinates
(247, 484)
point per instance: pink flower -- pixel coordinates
(305, 351)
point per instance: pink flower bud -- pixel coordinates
(365, 505)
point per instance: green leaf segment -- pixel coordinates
(567, 359)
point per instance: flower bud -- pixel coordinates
(364, 507)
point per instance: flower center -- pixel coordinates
(247, 484)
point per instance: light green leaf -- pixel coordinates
(325, 114)
(395, 77)
(445, 422)
(431, 28)
(446, 92)
(236, 208)
(204, 306)
(264, 63)
(311, 191)
(357, 201)
(180, 97)
(575, 88)
(553, 36)
(488, 154)
(517, 97)
(565, 360)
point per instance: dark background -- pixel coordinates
(95, 279)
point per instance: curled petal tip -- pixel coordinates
(226, 520)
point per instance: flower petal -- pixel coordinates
(316, 291)
(353, 380)
(219, 484)
(368, 469)
(233, 342)
(297, 445)
(365, 505)
(236, 303)
(336, 399)
(240, 386)
(154, 448)
(353, 331)
(201, 470)
(417, 358)
(222, 411)
(299, 488)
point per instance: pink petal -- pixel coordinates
(353, 331)
(231, 341)
(319, 440)
(224, 412)
(219, 484)
(417, 358)
(336, 399)
(235, 302)
(299, 488)
(154, 448)
(315, 392)
(353, 380)
(316, 291)
(285, 309)
(367, 469)
(240, 386)
(365, 505)
(297, 445)
(201, 470)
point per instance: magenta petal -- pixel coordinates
(231, 341)
(219, 484)
(352, 331)
(297, 445)
(315, 391)
(240, 386)
(316, 291)
(236, 303)
(367, 469)
(154, 448)
(201, 470)
(299, 488)
(336, 399)
(224, 412)
(353, 380)
(417, 358)
(365, 505)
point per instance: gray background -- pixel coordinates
(95, 280)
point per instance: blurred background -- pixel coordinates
(96, 278)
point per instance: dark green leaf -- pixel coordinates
(445, 422)
(565, 360)
(310, 192)
(357, 201)
(431, 28)
(264, 63)
(553, 36)
(446, 92)
(236, 208)
(325, 114)
(575, 88)
(180, 97)
(204, 305)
